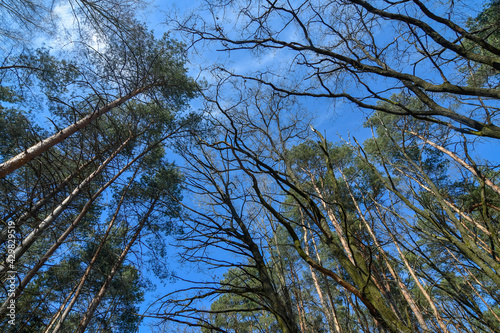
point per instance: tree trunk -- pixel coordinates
(330, 315)
(86, 274)
(21, 159)
(100, 295)
(40, 203)
(66, 233)
(35, 233)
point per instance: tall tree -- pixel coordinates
(56, 197)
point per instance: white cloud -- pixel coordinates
(67, 31)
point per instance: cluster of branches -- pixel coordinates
(364, 53)
(398, 234)
(28, 20)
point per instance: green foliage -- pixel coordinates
(238, 309)
(485, 25)
(53, 285)
(17, 132)
(54, 75)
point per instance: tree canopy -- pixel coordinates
(249, 210)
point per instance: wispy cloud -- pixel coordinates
(67, 31)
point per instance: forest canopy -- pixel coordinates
(148, 185)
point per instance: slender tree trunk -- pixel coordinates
(40, 203)
(431, 303)
(100, 295)
(59, 311)
(335, 316)
(111, 308)
(299, 302)
(21, 159)
(327, 285)
(334, 221)
(66, 233)
(86, 274)
(26, 243)
(331, 317)
(404, 290)
(460, 161)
